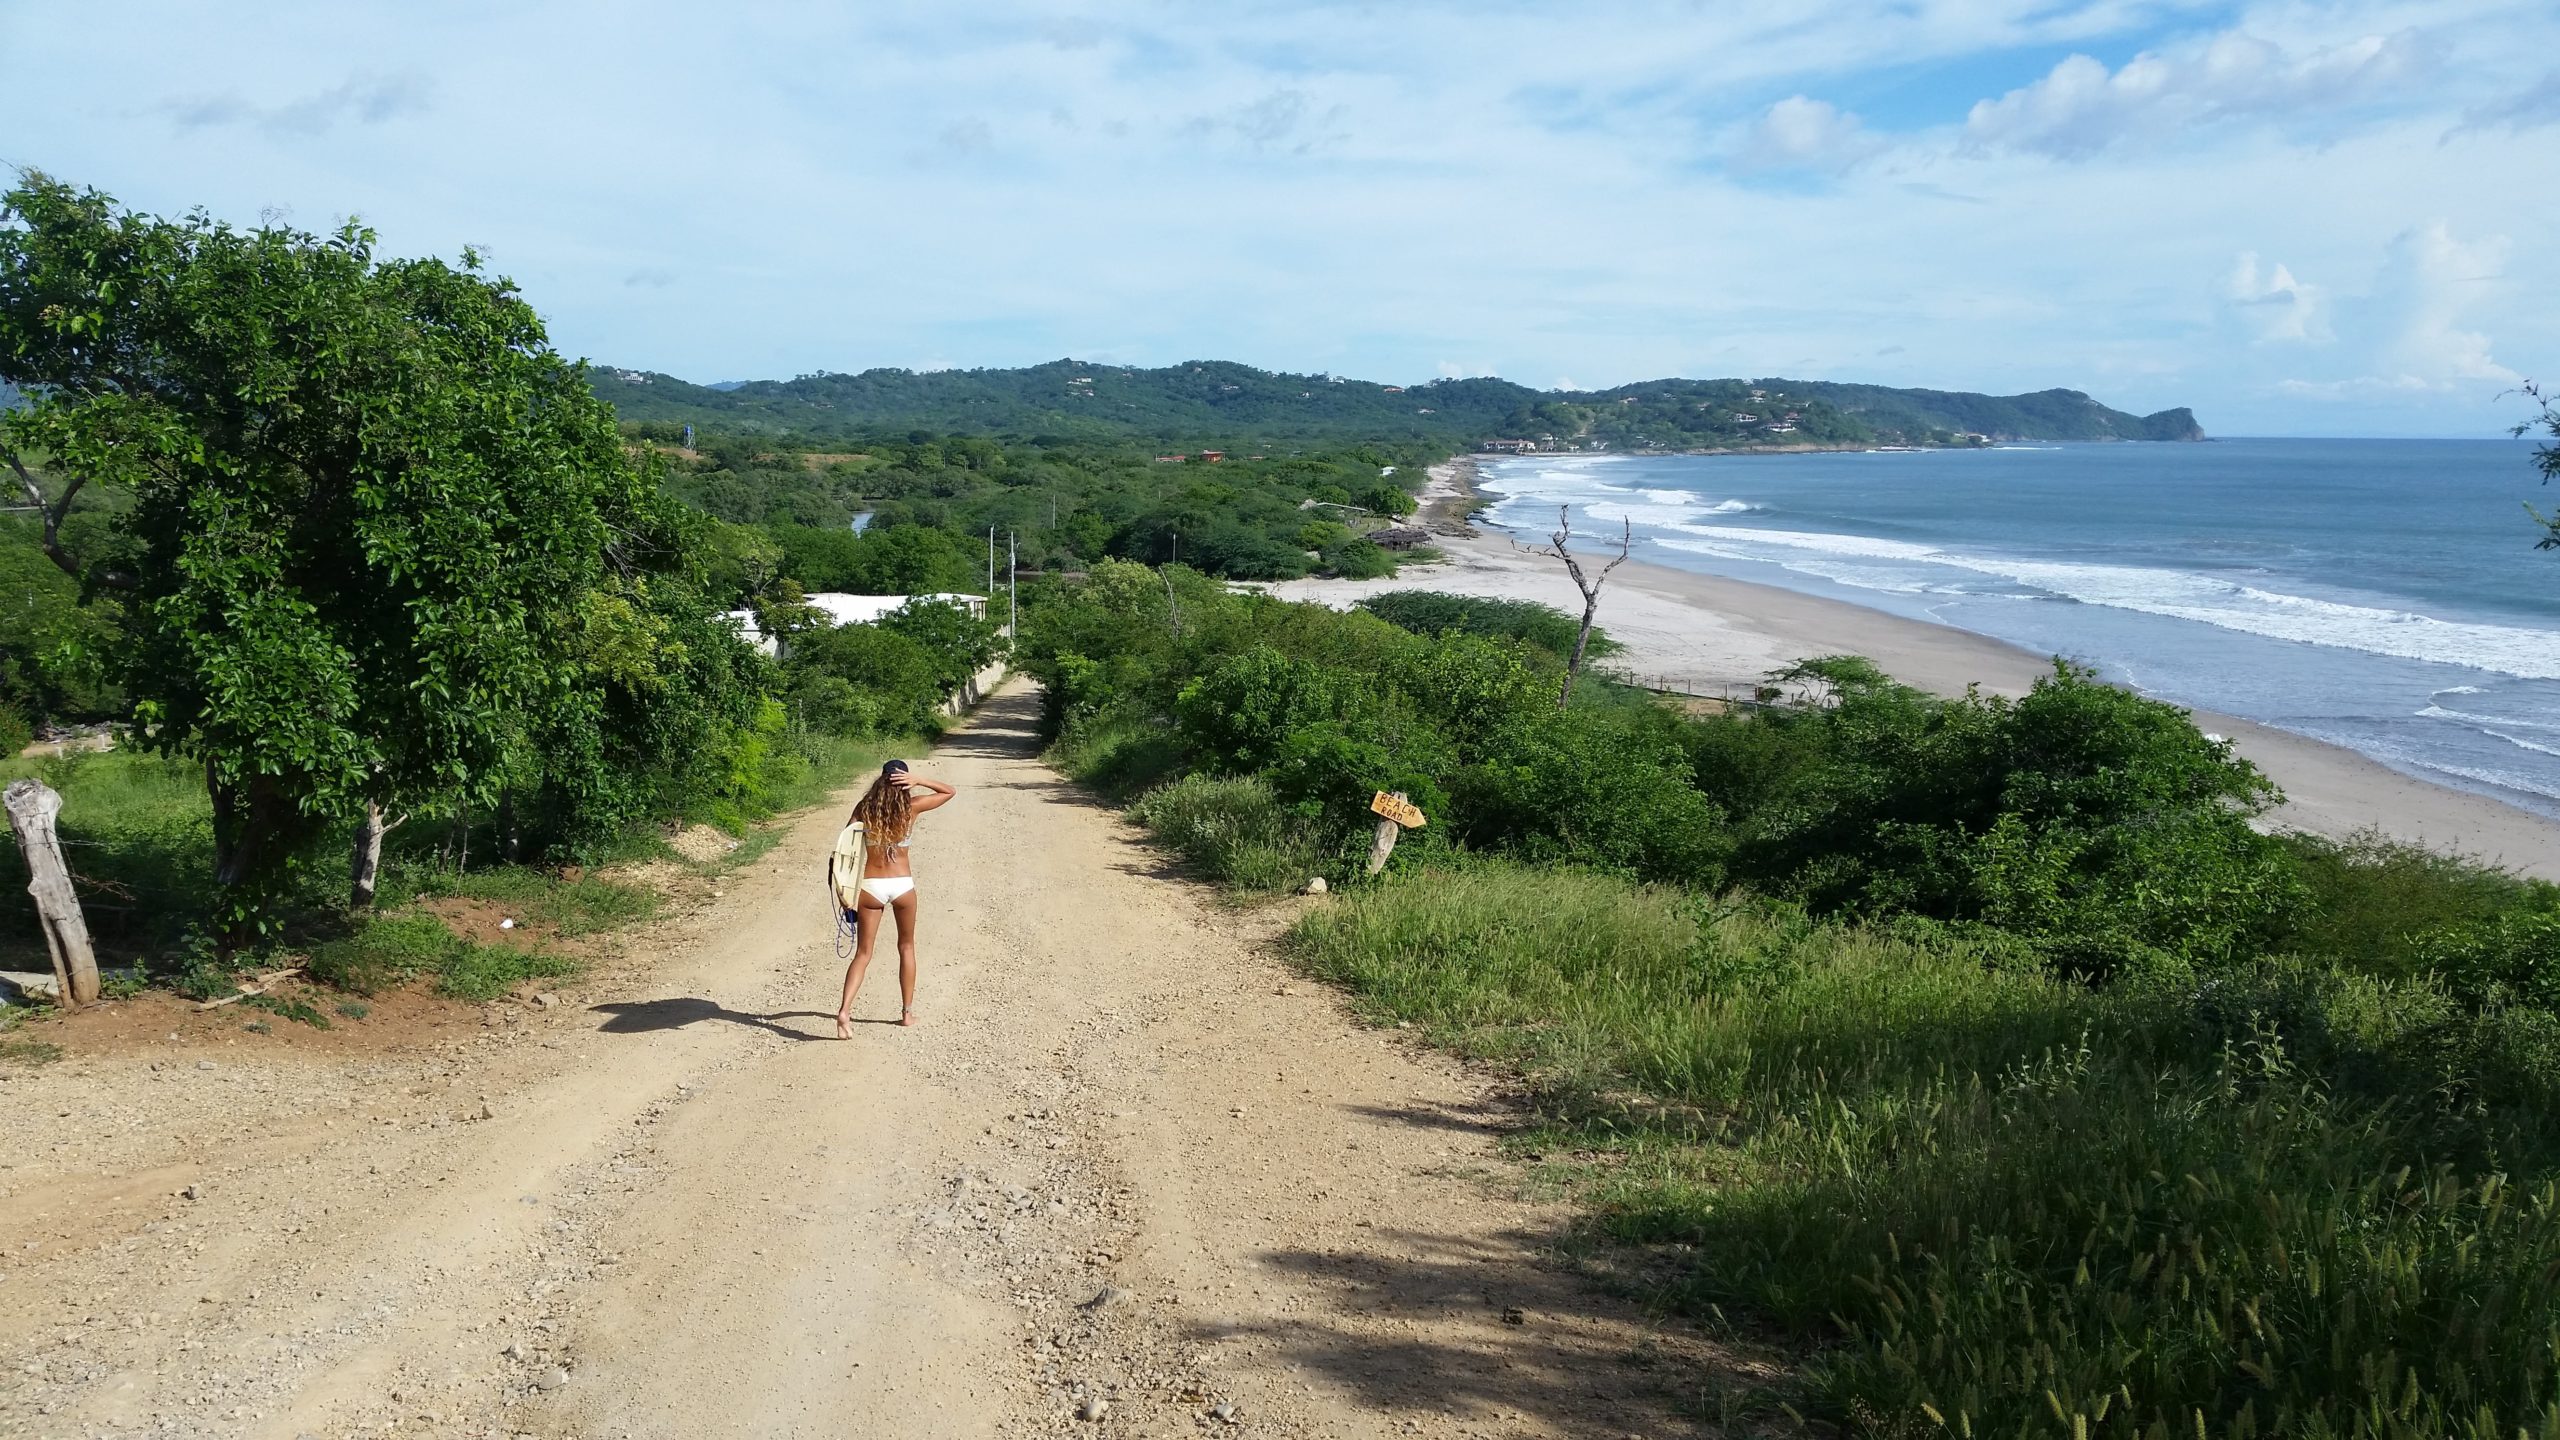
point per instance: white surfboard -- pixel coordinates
(844, 868)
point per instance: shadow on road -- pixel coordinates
(1507, 1340)
(640, 1017)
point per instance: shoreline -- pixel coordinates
(1712, 635)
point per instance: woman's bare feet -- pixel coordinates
(907, 1016)
(844, 1025)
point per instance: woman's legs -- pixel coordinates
(905, 906)
(866, 928)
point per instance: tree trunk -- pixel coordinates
(32, 805)
(1573, 667)
(364, 857)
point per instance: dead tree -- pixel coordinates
(1561, 547)
(364, 854)
(32, 804)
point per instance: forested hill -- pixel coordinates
(1224, 402)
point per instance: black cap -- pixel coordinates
(894, 767)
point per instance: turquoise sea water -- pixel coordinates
(2380, 594)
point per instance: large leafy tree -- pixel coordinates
(370, 507)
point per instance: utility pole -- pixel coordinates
(991, 562)
(1012, 586)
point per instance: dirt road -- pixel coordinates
(1129, 1176)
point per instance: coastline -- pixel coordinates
(1711, 635)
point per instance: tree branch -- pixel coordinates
(53, 513)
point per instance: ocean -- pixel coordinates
(2384, 595)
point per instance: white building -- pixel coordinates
(843, 609)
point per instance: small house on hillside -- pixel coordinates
(1400, 537)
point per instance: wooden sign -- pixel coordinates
(1396, 808)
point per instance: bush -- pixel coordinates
(15, 733)
(1326, 738)
(2374, 903)
(1358, 559)
(1235, 831)
(1426, 612)
(899, 679)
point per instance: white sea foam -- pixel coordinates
(2521, 743)
(2183, 595)
(2438, 712)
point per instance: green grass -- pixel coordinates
(583, 906)
(392, 949)
(2292, 1200)
(138, 832)
(22, 1050)
(1233, 831)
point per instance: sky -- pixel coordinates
(2298, 219)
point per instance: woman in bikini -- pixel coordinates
(888, 812)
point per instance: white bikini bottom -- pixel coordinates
(888, 887)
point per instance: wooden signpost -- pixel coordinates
(32, 804)
(1395, 815)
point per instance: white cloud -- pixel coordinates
(2273, 304)
(2081, 108)
(994, 182)
(2413, 333)
(1802, 133)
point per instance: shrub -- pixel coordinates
(1327, 738)
(1359, 558)
(15, 733)
(2373, 902)
(1426, 612)
(1235, 831)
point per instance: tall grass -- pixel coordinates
(1234, 831)
(1991, 1201)
(1118, 758)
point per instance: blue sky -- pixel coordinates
(2297, 218)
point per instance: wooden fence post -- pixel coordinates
(1396, 814)
(1383, 844)
(32, 804)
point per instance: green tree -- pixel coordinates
(368, 505)
(2546, 456)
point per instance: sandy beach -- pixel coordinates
(1709, 635)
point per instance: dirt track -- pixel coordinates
(1126, 1158)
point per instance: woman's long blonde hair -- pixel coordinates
(883, 809)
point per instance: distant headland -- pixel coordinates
(1214, 400)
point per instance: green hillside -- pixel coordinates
(1215, 402)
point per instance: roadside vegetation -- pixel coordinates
(378, 601)
(1981, 1048)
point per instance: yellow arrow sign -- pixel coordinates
(1398, 809)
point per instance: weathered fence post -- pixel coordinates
(1395, 813)
(32, 804)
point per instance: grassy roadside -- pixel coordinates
(138, 831)
(1986, 1200)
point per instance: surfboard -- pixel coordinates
(844, 868)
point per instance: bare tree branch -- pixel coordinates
(1561, 548)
